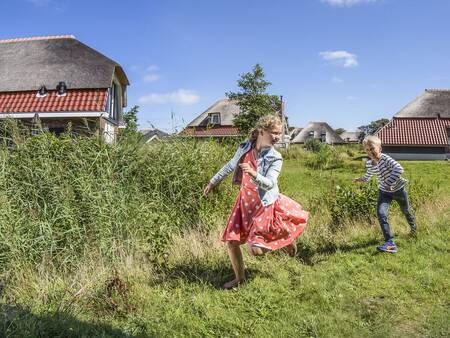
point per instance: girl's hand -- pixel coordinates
(207, 189)
(246, 168)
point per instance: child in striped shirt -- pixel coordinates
(391, 186)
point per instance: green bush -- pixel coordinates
(353, 202)
(65, 196)
(358, 202)
(294, 152)
(326, 158)
(313, 144)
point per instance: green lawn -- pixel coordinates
(336, 287)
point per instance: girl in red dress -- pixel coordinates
(262, 217)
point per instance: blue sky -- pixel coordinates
(346, 62)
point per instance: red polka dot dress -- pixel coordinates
(271, 227)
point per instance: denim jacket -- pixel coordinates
(268, 168)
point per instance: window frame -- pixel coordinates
(114, 102)
(212, 116)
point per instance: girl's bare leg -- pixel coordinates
(237, 261)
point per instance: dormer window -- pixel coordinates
(214, 118)
(114, 103)
(311, 134)
(323, 137)
(61, 89)
(42, 92)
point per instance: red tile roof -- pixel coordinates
(214, 131)
(76, 100)
(415, 131)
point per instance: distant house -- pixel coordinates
(318, 130)
(350, 136)
(294, 132)
(55, 80)
(151, 135)
(421, 130)
(216, 121)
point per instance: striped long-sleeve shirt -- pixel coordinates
(388, 172)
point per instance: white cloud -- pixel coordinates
(151, 77)
(152, 68)
(182, 97)
(40, 3)
(351, 98)
(340, 58)
(347, 3)
(336, 80)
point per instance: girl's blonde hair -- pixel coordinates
(372, 140)
(267, 122)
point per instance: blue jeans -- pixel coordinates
(384, 201)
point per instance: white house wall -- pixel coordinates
(418, 156)
(109, 132)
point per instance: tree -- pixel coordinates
(131, 126)
(252, 99)
(371, 128)
(130, 119)
(340, 131)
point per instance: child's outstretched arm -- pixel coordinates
(226, 169)
(366, 176)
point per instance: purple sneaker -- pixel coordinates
(387, 247)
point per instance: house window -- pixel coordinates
(57, 130)
(311, 134)
(214, 118)
(114, 103)
(323, 137)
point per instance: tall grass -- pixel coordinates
(100, 240)
(63, 197)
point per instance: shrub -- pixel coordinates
(326, 158)
(358, 202)
(64, 196)
(313, 144)
(294, 152)
(353, 202)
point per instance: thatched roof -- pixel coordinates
(294, 132)
(227, 109)
(149, 134)
(432, 103)
(317, 129)
(350, 136)
(26, 64)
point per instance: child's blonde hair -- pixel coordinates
(371, 139)
(266, 122)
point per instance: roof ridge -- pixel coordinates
(36, 38)
(437, 90)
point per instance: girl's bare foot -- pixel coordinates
(292, 249)
(232, 284)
